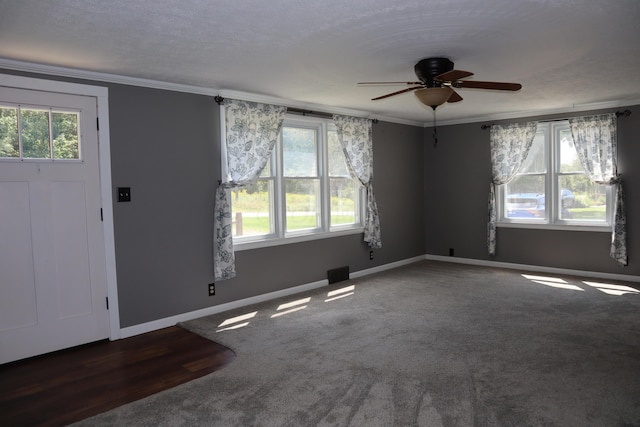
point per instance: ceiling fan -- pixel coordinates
(438, 80)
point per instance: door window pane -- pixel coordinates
(9, 144)
(35, 134)
(65, 135)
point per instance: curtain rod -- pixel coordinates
(294, 110)
(624, 113)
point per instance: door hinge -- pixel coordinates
(97, 123)
(101, 216)
(107, 300)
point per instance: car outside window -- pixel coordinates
(551, 187)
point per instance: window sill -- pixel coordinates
(559, 227)
(239, 245)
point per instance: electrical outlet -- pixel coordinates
(370, 254)
(212, 289)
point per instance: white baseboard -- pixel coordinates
(385, 267)
(173, 320)
(538, 268)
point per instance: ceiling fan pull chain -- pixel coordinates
(435, 134)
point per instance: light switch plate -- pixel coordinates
(124, 194)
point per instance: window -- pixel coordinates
(551, 188)
(304, 192)
(37, 133)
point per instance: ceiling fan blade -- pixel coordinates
(473, 84)
(452, 75)
(454, 97)
(397, 93)
(389, 83)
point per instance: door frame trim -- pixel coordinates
(104, 152)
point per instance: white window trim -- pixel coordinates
(281, 236)
(239, 246)
(548, 226)
(552, 220)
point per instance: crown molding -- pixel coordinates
(537, 113)
(102, 77)
(95, 76)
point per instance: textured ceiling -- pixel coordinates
(568, 54)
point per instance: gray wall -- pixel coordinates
(457, 176)
(163, 146)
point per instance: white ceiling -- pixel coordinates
(568, 54)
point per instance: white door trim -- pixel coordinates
(102, 96)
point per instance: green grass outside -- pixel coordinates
(256, 202)
(260, 225)
(592, 213)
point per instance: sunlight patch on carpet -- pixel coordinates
(607, 288)
(293, 310)
(340, 293)
(294, 303)
(553, 282)
(291, 307)
(611, 289)
(234, 322)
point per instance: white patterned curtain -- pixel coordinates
(251, 131)
(510, 145)
(354, 135)
(595, 139)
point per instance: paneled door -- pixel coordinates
(53, 284)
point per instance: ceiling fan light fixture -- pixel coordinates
(434, 96)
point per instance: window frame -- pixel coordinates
(280, 235)
(553, 221)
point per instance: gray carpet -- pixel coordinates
(429, 344)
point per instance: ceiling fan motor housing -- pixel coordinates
(429, 68)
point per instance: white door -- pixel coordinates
(53, 285)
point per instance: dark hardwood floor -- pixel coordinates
(70, 385)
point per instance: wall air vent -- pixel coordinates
(338, 274)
